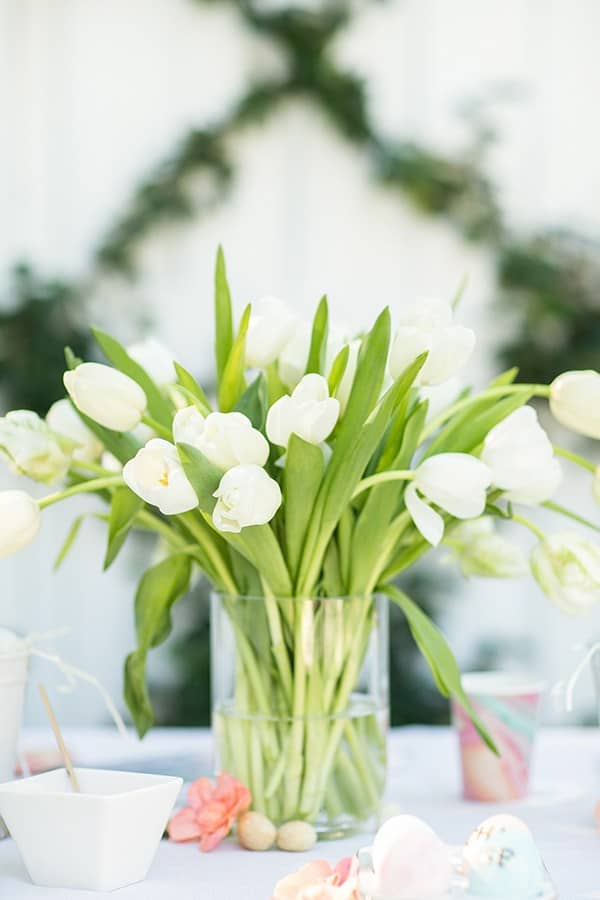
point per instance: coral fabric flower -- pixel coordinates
(319, 881)
(211, 812)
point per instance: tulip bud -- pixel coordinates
(310, 413)
(155, 359)
(106, 395)
(63, 419)
(427, 326)
(456, 482)
(19, 521)
(226, 439)
(521, 457)
(567, 568)
(32, 448)
(480, 550)
(156, 475)
(270, 328)
(246, 496)
(575, 401)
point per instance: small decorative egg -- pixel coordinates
(498, 824)
(410, 861)
(508, 865)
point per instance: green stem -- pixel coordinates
(157, 427)
(539, 390)
(556, 507)
(575, 458)
(530, 525)
(87, 466)
(372, 480)
(97, 484)
(205, 540)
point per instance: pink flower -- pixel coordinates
(318, 881)
(211, 812)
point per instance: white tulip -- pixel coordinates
(575, 401)
(521, 457)
(310, 413)
(456, 482)
(19, 521)
(226, 439)
(32, 448)
(480, 550)
(155, 359)
(427, 325)
(106, 395)
(246, 496)
(156, 475)
(567, 568)
(270, 328)
(63, 419)
(293, 359)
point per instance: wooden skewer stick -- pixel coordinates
(59, 738)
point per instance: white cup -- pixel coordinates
(13, 676)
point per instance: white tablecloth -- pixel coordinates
(423, 779)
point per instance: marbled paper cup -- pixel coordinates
(508, 705)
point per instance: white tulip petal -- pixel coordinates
(575, 401)
(279, 421)
(455, 481)
(106, 395)
(567, 568)
(188, 426)
(246, 496)
(63, 419)
(20, 521)
(155, 359)
(270, 328)
(156, 475)
(450, 350)
(311, 389)
(541, 488)
(409, 343)
(427, 520)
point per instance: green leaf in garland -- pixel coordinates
(318, 339)
(157, 591)
(223, 316)
(432, 644)
(232, 383)
(254, 402)
(125, 505)
(191, 386)
(158, 406)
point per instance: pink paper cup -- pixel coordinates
(508, 705)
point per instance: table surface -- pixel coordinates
(423, 780)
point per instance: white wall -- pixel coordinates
(93, 94)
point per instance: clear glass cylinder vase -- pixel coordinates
(300, 705)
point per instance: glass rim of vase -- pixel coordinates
(312, 598)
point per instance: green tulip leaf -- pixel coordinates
(193, 389)
(124, 507)
(223, 316)
(302, 475)
(157, 591)
(318, 339)
(232, 384)
(338, 368)
(253, 402)
(439, 656)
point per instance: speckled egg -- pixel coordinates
(489, 828)
(410, 860)
(506, 865)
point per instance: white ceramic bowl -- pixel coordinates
(101, 839)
